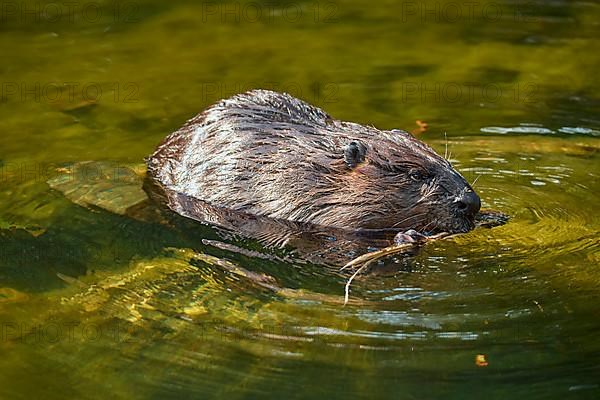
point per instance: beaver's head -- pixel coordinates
(397, 181)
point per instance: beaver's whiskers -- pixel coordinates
(408, 218)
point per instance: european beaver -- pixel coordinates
(268, 154)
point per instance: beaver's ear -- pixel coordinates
(354, 153)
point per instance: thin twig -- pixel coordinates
(374, 255)
(347, 288)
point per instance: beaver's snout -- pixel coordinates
(468, 203)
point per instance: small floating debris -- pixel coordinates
(481, 360)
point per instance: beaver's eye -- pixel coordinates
(417, 175)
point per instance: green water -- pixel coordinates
(95, 305)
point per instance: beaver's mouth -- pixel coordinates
(448, 225)
(431, 223)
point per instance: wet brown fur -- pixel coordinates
(269, 154)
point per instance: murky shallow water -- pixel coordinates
(95, 305)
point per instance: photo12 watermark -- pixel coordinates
(467, 92)
(42, 12)
(69, 92)
(464, 11)
(80, 173)
(57, 331)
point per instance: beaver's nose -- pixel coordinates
(468, 203)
